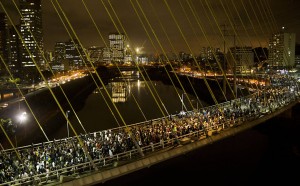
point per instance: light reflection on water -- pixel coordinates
(135, 103)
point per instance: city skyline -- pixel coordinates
(94, 115)
(205, 30)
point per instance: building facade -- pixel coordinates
(31, 35)
(59, 52)
(117, 47)
(75, 54)
(107, 55)
(242, 58)
(4, 42)
(14, 61)
(95, 54)
(282, 50)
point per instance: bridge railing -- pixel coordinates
(157, 120)
(125, 157)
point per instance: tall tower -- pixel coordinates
(14, 52)
(75, 54)
(32, 35)
(4, 41)
(117, 45)
(59, 52)
(282, 49)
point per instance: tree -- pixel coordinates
(8, 125)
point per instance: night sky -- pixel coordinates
(199, 22)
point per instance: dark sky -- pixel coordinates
(191, 25)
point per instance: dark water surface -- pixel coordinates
(265, 155)
(140, 105)
(96, 114)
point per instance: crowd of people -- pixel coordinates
(49, 158)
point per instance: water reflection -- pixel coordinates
(119, 91)
(135, 103)
(132, 102)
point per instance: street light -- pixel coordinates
(137, 50)
(67, 115)
(182, 104)
(22, 117)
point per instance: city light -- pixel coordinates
(22, 117)
(137, 50)
(242, 77)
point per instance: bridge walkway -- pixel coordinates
(200, 131)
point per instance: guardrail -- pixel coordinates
(125, 157)
(132, 155)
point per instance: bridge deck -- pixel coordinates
(188, 143)
(127, 161)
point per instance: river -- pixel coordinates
(135, 100)
(264, 155)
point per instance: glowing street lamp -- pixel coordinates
(182, 112)
(137, 50)
(22, 117)
(67, 115)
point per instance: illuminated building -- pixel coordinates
(32, 35)
(117, 46)
(14, 61)
(242, 57)
(4, 41)
(59, 52)
(282, 49)
(74, 54)
(95, 54)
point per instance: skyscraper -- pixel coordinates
(59, 52)
(32, 35)
(4, 42)
(14, 61)
(282, 49)
(75, 54)
(117, 45)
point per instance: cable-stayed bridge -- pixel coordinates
(113, 152)
(90, 158)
